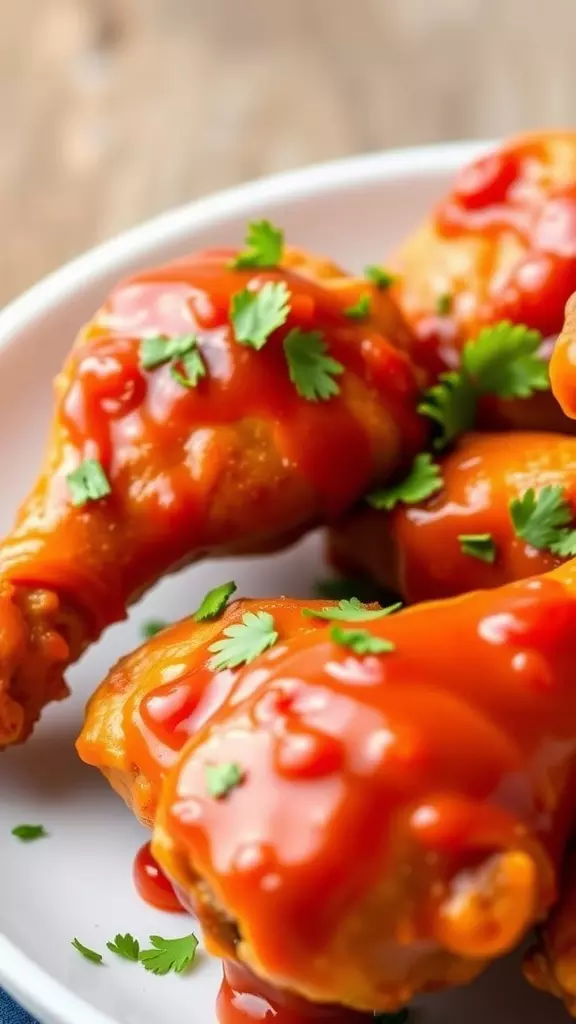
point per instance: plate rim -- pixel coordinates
(34, 988)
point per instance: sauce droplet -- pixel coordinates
(152, 884)
(244, 998)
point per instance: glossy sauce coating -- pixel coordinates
(510, 193)
(151, 882)
(502, 246)
(240, 462)
(563, 365)
(511, 216)
(415, 549)
(156, 698)
(374, 787)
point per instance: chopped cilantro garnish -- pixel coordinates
(215, 601)
(221, 778)
(125, 946)
(379, 276)
(350, 611)
(361, 641)
(451, 404)
(423, 480)
(88, 483)
(88, 954)
(360, 310)
(444, 304)
(542, 520)
(311, 370)
(28, 833)
(189, 370)
(244, 641)
(264, 246)
(478, 545)
(182, 352)
(152, 627)
(255, 314)
(503, 360)
(160, 349)
(169, 954)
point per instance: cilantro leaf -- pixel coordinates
(264, 246)
(361, 641)
(88, 483)
(379, 276)
(88, 954)
(451, 404)
(221, 778)
(565, 544)
(311, 371)
(28, 833)
(503, 360)
(160, 349)
(125, 946)
(244, 641)
(152, 627)
(215, 601)
(350, 611)
(193, 369)
(169, 954)
(256, 314)
(423, 480)
(542, 520)
(360, 310)
(181, 351)
(444, 304)
(478, 545)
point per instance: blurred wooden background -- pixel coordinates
(112, 110)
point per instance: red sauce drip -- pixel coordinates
(243, 998)
(152, 884)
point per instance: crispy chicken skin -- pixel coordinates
(500, 246)
(239, 463)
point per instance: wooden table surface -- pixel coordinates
(113, 110)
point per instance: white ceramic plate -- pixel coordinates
(78, 882)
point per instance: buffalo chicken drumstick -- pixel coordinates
(211, 405)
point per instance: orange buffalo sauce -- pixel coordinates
(172, 695)
(500, 246)
(563, 365)
(481, 478)
(418, 551)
